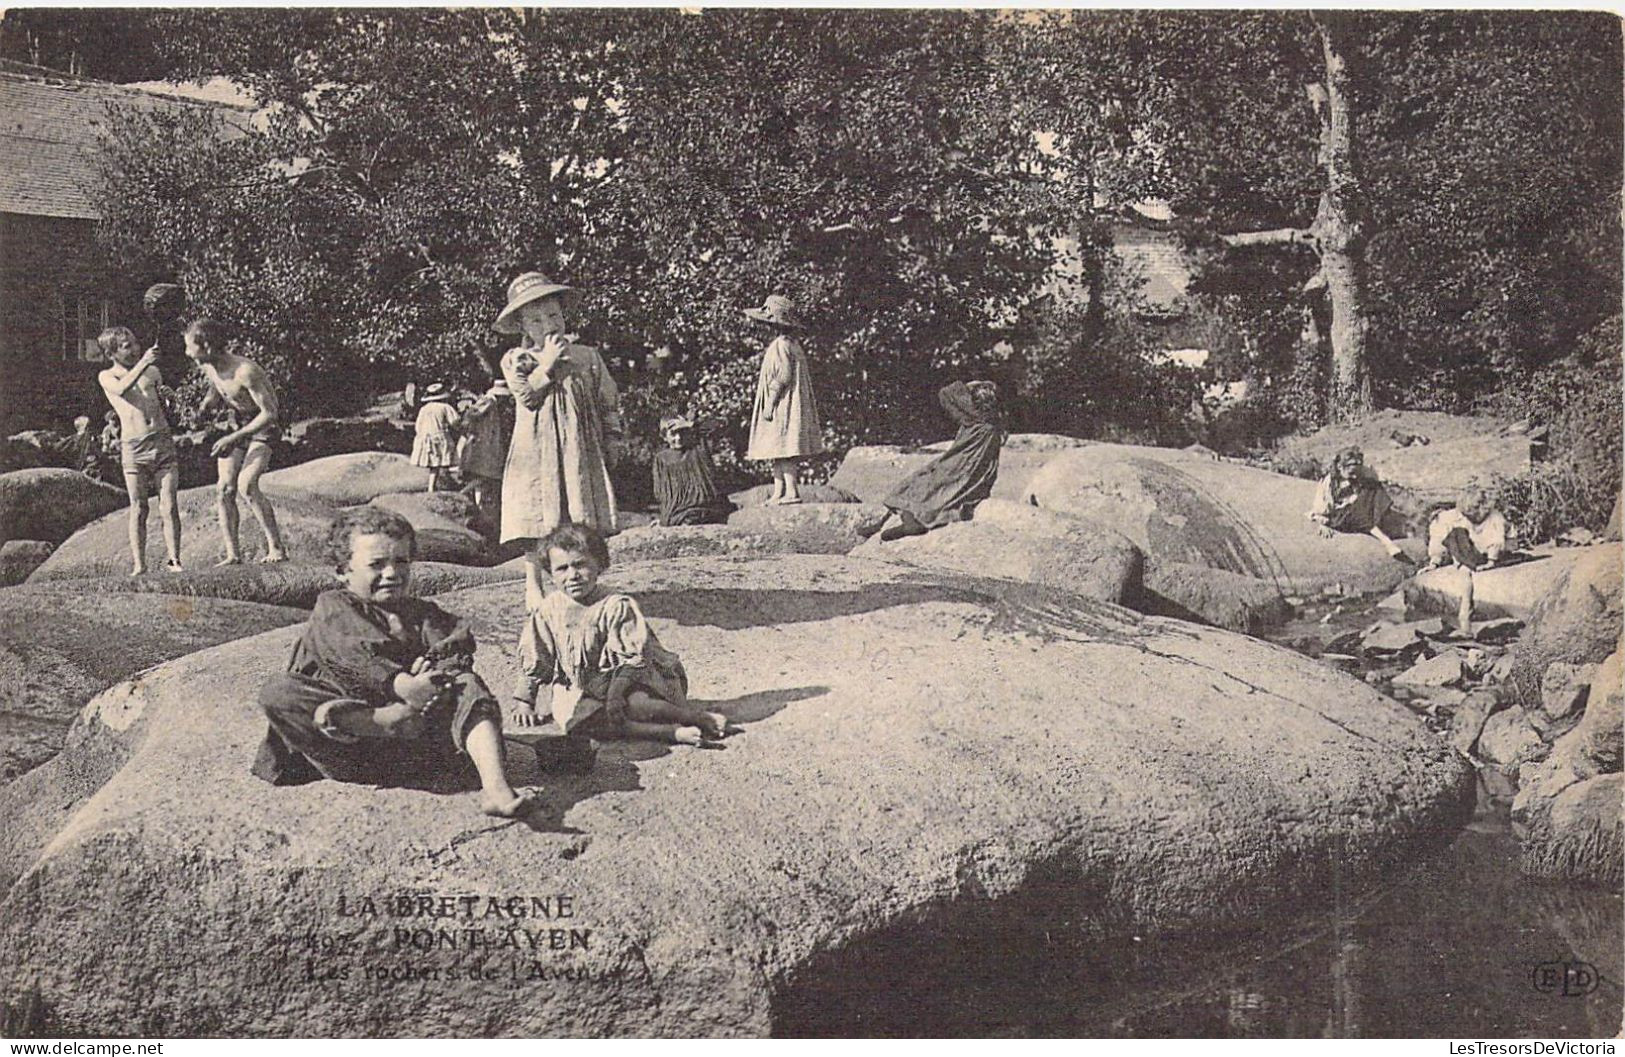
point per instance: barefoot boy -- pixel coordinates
(244, 453)
(146, 451)
(381, 689)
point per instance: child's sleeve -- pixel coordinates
(626, 633)
(1494, 533)
(537, 660)
(776, 370)
(530, 397)
(445, 637)
(1320, 508)
(609, 401)
(354, 650)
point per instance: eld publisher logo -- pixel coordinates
(1568, 979)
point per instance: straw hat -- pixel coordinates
(677, 422)
(434, 391)
(778, 310)
(532, 286)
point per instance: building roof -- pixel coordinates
(49, 125)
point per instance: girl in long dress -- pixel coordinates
(1350, 498)
(947, 488)
(567, 425)
(784, 425)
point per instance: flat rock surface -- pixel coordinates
(346, 480)
(1179, 506)
(445, 523)
(295, 583)
(102, 548)
(50, 503)
(1505, 591)
(1459, 449)
(811, 528)
(1013, 541)
(1219, 597)
(911, 748)
(691, 541)
(59, 650)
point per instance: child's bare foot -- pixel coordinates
(506, 805)
(230, 559)
(174, 565)
(688, 736)
(789, 500)
(139, 570)
(274, 558)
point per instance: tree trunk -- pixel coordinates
(1337, 230)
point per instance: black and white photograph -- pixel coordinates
(775, 523)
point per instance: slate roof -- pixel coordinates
(49, 123)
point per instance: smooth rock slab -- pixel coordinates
(909, 749)
(870, 472)
(347, 480)
(1012, 541)
(1504, 591)
(1183, 507)
(811, 528)
(50, 504)
(1214, 596)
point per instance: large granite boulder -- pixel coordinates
(446, 523)
(1183, 507)
(1213, 596)
(285, 584)
(812, 493)
(51, 504)
(58, 650)
(811, 528)
(652, 542)
(1504, 591)
(1013, 541)
(1577, 620)
(346, 480)
(912, 751)
(102, 548)
(19, 559)
(870, 472)
(1579, 835)
(1429, 453)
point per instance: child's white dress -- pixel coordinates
(435, 445)
(785, 386)
(590, 657)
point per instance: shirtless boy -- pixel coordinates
(244, 453)
(146, 451)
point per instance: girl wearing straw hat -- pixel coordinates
(567, 424)
(435, 445)
(784, 421)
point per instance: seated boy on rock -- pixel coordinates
(381, 688)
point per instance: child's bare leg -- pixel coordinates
(255, 463)
(226, 503)
(1464, 614)
(534, 577)
(169, 513)
(1382, 537)
(790, 492)
(665, 732)
(497, 797)
(136, 485)
(646, 708)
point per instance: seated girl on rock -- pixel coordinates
(604, 672)
(1470, 536)
(948, 488)
(1351, 499)
(381, 688)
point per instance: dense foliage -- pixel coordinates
(910, 178)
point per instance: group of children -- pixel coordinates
(245, 430)
(380, 687)
(1470, 536)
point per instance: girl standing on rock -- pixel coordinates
(435, 445)
(567, 425)
(784, 421)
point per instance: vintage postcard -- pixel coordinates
(608, 522)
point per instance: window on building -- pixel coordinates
(83, 319)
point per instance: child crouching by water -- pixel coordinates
(381, 688)
(605, 672)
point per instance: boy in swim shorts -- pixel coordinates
(146, 449)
